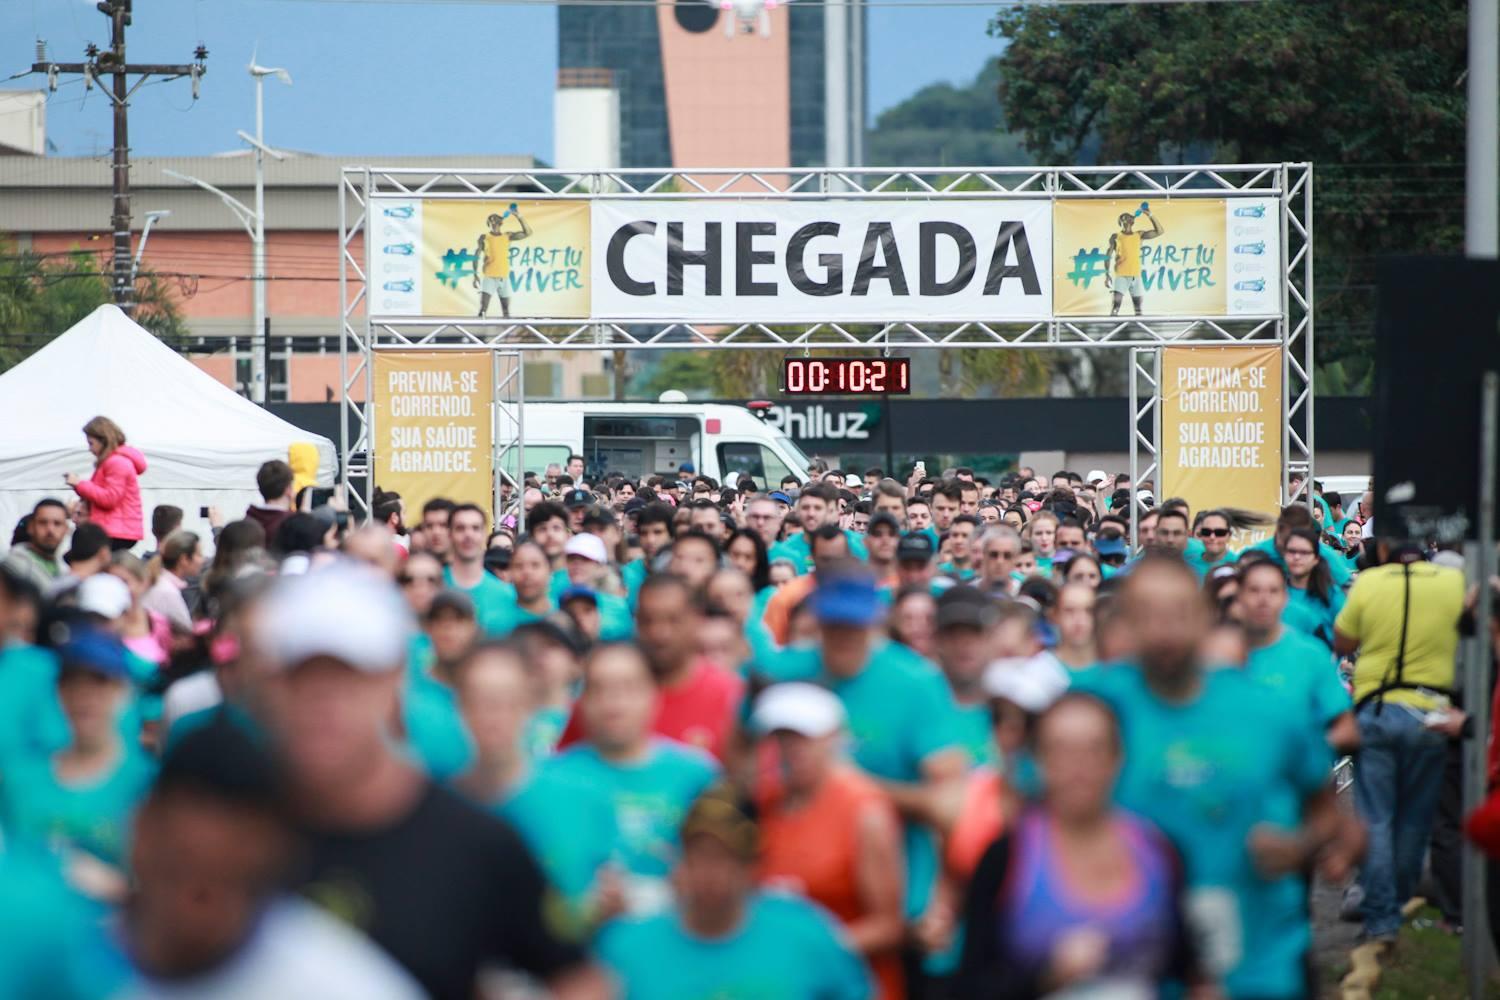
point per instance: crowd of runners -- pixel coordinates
(846, 735)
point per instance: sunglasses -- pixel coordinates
(1213, 532)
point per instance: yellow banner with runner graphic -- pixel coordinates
(1221, 429)
(432, 433)
(1175, 256)
(479, 257)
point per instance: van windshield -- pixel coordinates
(799, 458)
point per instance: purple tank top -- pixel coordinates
(1039, 905)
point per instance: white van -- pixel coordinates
(648, 439)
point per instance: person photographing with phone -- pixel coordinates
(492, 270)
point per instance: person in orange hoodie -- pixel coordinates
(113, 492)
(828, 831)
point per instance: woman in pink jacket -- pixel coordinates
(113, 492)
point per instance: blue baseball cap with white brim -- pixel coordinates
(846, 599)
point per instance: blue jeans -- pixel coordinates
(1398, 778)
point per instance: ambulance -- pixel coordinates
(640, 440)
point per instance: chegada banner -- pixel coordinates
(711, 261)
(809, 261)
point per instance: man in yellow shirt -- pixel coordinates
(1122, 265)
(492, 271)
(1403, 617)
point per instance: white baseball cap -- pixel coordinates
(590, 546)
(1032, 682)
(105, 595)
(800, 708)
(345, 611)
(1095, 477)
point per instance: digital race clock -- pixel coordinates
(846, 376)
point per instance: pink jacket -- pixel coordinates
(114, 494)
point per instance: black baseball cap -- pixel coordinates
(885, 518)
(451, 602)
(915, 547)
(964, 605)
(574, 499)
(497, 558)
(634, 504)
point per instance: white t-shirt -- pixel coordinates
(297, 952)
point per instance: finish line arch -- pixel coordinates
(813, 260)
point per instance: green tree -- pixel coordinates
(1371, 93)
(943, 124)
(41, 297)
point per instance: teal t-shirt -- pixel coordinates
(1207, 772)
(1311, 616)
(570, 827)
(53, 944)
(757, 635)
(649, 798)
(1201, 564)
(37, 807)
(616, 623)
(543, 730)
(975, 730)
(633, 574)
(900, 712)
(796, 549)
(1305, 673)
(491, 596)
(436, 738)
(785, 948)
(512, 616)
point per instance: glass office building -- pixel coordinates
(690, 96)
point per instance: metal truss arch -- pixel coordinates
(1291, 329)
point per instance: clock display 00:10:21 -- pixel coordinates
(855, 376)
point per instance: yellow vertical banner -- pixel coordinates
(1221, 429)
(432, 426)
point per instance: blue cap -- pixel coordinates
(1111, 546)
(95, 651)
(780, 497)
(846, 599)
(687, 467)
(577, 592)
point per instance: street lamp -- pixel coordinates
(258, 235)
(140, 251)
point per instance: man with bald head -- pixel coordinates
(1231, 773)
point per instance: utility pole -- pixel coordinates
(113, 63)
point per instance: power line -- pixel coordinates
(865, 3)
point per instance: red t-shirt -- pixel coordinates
(700, 711)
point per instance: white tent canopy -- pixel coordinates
(203, 442)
